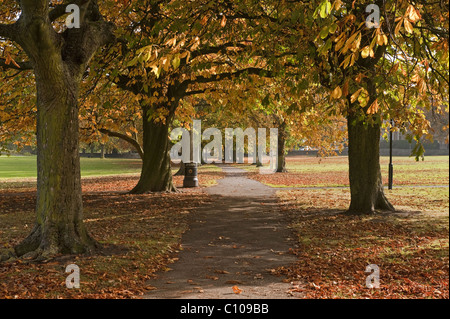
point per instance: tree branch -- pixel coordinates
(60, 10)
(7, 31)
(126, 138)
(228, 75)
(32, 9)
(217, 49)
(21, 66)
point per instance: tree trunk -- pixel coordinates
(59, 61)
(156, 174)
(102, 151)
(182, 170)
(366, 185)
(59, 227)
(281, 162)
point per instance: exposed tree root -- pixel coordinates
(40, 246)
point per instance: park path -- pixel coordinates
(238, 239)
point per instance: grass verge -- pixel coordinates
(304, 171)
(141, 235)
(411, 246)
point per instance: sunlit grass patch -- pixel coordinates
(305, 171)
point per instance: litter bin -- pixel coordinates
(190, 175)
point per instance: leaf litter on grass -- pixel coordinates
(140, 235)
(410, 247)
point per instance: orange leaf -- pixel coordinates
(236, 290)
(223, 23)
(373, 108)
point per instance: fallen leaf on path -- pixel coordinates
(212, 277)
(236, 290)
(233, 282)
(223, 272)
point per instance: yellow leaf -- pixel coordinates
(373, 108)
(355, 96)
(337, 93)
(171, 42)
(353, 59)
(337, 5)
(408, 26)
(365, 52)
(397, 28)
(415, 78)
(421, 86)
(350, 42)
(413, 14)
(339, 44)
(346, 62)
(356, 44)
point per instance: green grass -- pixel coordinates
(299, 164)
(304, 171)
(25, 166)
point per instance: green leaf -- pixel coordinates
(333, 28)
(176, 62)
(325, 9)
(266, 100)
(324, 32)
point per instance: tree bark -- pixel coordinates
(182, 170)
(281, 162)
(156, 174)
(59, 225)
(59, 61)
(102, 151)
(366, 185)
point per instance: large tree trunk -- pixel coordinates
(281, 162)
(156, 174)
(182, 170)
(366, 185)
(59, 226)
(59, 61)
(102, 151)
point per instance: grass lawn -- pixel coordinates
(19, 172)
(25, 166)
(411, 246)
(141, 233)
(304, 171)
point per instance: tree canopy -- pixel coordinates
(305, 67)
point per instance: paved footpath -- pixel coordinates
(236, 240)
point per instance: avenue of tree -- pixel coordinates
(134, 69)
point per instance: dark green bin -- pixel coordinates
(190, 175)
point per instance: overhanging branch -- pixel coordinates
(60, 10)
(126, 138)
(228, 75)
(7, 31)
(21, 66)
